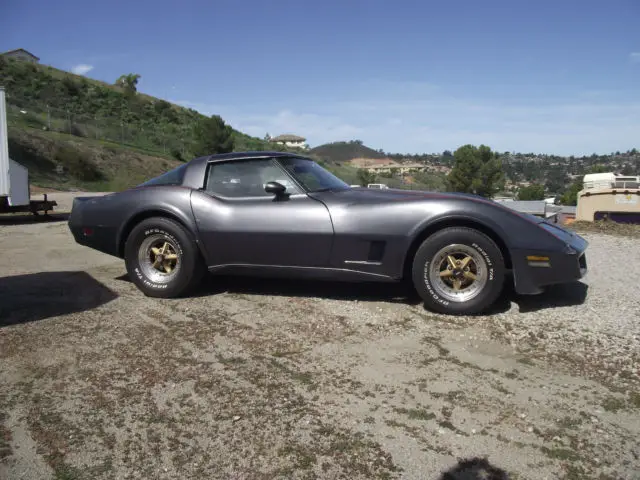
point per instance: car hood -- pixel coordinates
(372, 196)
(375, 195)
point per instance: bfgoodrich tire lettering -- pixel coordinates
(162, 258)
(458, 271)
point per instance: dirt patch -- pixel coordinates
(274, 379)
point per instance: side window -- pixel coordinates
(172, 177)
(246, 178)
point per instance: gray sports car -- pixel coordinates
(281, 214)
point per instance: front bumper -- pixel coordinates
(534, 269)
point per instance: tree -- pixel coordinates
(476, 170)
(128, 82)
(212, 136)
(532, 192)
(365, 177)
(570, 196)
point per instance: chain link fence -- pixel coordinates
(168, 139)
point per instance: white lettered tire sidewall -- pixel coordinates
(190, 269)
(474, 239)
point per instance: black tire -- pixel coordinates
(487, 259)
(191, 265)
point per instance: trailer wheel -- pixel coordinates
(162, 258)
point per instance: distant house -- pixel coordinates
(21, 54)
(290, 140)
(386, 165)
(401, 168)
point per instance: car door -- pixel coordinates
(241, 224)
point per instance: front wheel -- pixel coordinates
(162, 259)
(458, 271)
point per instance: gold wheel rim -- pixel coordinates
(163, 259)
(159, 258)
(458, 272)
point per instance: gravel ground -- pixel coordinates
(265, 379)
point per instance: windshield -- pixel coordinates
(312, 176)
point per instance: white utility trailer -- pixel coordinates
(15, 194)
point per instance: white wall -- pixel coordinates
(14, 178)
(19, 180)
(293, 144)
(4, 148)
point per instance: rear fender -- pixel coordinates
(178, 210)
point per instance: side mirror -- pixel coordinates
(276, 188)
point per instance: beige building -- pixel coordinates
(609, 196)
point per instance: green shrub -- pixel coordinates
(77, 165)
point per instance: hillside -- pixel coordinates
(65, 162)
(555, 173)
(57, 118)
(341, 152)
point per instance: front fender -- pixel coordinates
(458, 218)
(513, 232)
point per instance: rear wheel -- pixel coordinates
(458, 271)
(162, 258)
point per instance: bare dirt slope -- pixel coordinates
(261, 379)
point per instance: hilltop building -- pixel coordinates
(290, 140)
(21, 54)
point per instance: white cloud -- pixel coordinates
(319, 128)
(433, 121)
(81, 69)
(634, 57)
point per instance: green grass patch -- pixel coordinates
(416, 413)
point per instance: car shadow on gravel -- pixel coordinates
(29, 218)
(361, 291)
(556, 296)
(37, 296)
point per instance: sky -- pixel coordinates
(545, 76)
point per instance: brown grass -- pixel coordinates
(609, 227)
